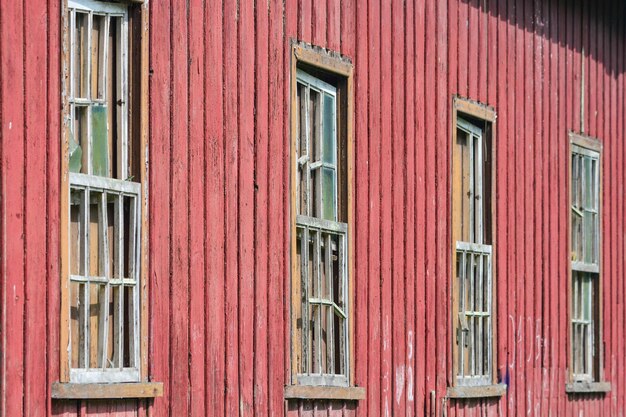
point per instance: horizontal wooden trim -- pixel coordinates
(474, 108)
(587, 387)
(106, 391)
(323, 59)
(320, 392)
(481, 391)
(585, 141)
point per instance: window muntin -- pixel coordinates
(105, 202)
(321, 239)
(585, 262)
(473, 254)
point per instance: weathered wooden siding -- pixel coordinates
(219, 135)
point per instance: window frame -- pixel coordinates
(596, 384)
(137, 125)
(462, 108)
(305, 56)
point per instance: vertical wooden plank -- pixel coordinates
(304, 13)
(565, 116)
(386, 370)
(179, 213)
(374, 348)
(35, 31)
(333, 23)
(231, 204)
(278, 86)
(12, 154)
(53, 196)
(528, 196)
(473, 34)
(261, 231)
(245, 210)
(319, 22)
(289, 18)
(347, 27)
(463, 47)
(420, 218)
(159, 201)
(215, 208)
(361, 110)
(197, 214)
(397, 182)
(442, 132)
(430, 37)
(409, 138)
(540, 204)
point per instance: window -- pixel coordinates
(473, 248)
(104, 205)
(321, 263)
(585, 256)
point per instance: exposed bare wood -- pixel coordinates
(324, 392)
(107, 391)
(475, 109)
(588, 387)
(323, 59)
(482, 391)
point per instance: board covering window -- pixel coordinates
(473, 255)
(321, 244)
(585, 261)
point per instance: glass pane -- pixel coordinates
(314, 124)
(574, 180)
(588, 192)
(329, 144)
(78, 141)
(79, 74)
(589, 237)
(99, 143)
(112, 97)
(97, 331)
(97, 56)
(329, 194)
(129, 326)
(77, 324)
(77, 229)
(118, 325)
(96, 235)
(586, 296)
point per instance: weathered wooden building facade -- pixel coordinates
(160, 170)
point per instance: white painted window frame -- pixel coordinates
(122, 188)
(475, 249)
(584, 372)
(304, 225)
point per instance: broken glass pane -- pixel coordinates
(76, 155)
(78, 151)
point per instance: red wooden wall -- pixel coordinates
(219, 137)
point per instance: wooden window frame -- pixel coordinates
(333, 65)
(137, 114)
(590, 385)
(491, 388)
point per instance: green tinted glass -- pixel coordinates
(329, 194)
(99, 142)
(329, 145)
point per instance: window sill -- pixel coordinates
(62, 390)
(587, 387)
(321, 392)
(481, 391)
